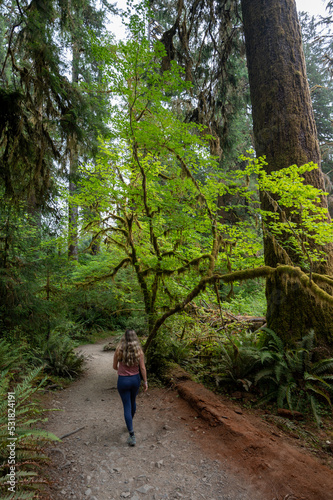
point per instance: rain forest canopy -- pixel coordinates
(178, 182)
(100, 137)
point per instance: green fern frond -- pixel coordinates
(24, 390)
(295, 360)
(319, 392)
(264, 373)
(41, 434)
(325, 365)
(265, 356)
(11, 356)
(329, 378)
(314, 408)
(308, 341)
(280, 370)
(274, 341)
(28, 450)
(19, 496)
(321, 380)
(281, 395)
(289, 394)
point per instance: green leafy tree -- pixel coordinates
(48, 124)
(29, 265)
(320, 81)
(158, 212)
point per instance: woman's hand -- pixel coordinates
(143, 372)
(115, 361)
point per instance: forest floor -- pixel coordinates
(211, 450)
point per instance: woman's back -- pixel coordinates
(125, 370)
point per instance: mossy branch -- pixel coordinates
(322, 278)
(242, 275)
(307, 282)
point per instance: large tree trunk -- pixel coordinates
(284, 131)
(73, 210)
(72, 146)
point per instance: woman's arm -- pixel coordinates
(115, 360)
(143, 371)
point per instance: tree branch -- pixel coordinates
(246, 274)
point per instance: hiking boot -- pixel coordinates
(131, 440)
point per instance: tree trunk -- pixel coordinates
(73, 211)
(285, 132)
(72, 146)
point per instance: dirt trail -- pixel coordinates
(178, 454)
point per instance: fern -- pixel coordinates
(60, 358)
(29, 440)
(19, 496)
(238, 359)
(271, 340)
(11, 356)
(325, 365)
(291, 378)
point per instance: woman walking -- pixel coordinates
(129, 361)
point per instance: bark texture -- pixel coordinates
(72, 147)
(285, 132)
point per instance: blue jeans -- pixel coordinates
(128, 388)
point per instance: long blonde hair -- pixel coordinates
(129, 349)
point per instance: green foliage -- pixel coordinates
(299, 222)
(202, 37)
(248, 298)
(294, 378)
(59, 357)
(239, 358)
(158, 186)
(101, 304)
(12, 356)
(318, 47)
(229, 358)
(40, 108)
(29, 440)
(169, 346)
(31, 274)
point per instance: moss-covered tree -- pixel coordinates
(285, 132)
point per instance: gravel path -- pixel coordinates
(167, 463)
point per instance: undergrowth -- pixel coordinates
(21, 445)
(257, 364)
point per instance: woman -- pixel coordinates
(129, 361)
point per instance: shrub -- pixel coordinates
(231, 359)
(59, 357)
(239, 359)
(164, 349)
